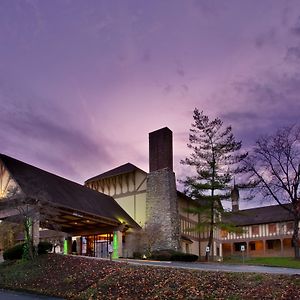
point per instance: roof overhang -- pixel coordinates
(58, 217)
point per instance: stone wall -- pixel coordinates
(162, 207)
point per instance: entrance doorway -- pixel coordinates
(96, 245)
(101, 249)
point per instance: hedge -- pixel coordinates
(44, 247)
(172, 255)
(16, 252)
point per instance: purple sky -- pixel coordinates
(83, 82)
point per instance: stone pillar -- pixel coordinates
(162, 208)
(120, 244)
(281, 247)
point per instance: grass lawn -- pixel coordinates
(74, 277)
(287, 262)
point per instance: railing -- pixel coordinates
(282, 230)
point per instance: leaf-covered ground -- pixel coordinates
(74, 277)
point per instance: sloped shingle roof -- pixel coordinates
(260, 215)
(123, 169)
(37, 183)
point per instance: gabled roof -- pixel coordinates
(123, 169)
(260, 215)
(39, 184)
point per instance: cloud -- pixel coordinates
(209, 8)
(45, 132)
(267, 38)
(296, 28)
(267, 103)
(293, 54)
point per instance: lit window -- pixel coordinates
(272, 228)
(255, 230)
(290, 226)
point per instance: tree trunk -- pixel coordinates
(295, 238)
(211, 234)
(28, 239)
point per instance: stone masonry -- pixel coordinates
(162, 208)
(161, 198)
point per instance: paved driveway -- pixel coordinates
(10, 295)
(219, 267)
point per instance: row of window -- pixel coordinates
(272, 229)
(187, 228)
(270, 244)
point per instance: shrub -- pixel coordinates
(18, 251)
(162, 254)
(15, 252)
(137, 255)
(184, 257)
(44, 247)
(173, 255)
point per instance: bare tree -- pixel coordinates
(146, 239)
(23, 211)
(9, 233)
(274, 168)
(27, 211)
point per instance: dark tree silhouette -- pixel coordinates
(274, 168)
(215, 157)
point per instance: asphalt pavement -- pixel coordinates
(11, 295)
(218, 267)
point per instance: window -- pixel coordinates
(187, 248)
(255, 230)
(289, 226)
(270, 244)
(224, 233)
(237, 246)
(252, 246)
(272, 228)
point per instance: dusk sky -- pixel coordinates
(82, 83)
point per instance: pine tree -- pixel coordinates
(215, 157)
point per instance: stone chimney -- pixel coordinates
(161, 149)
(161, 197)
(235, 195)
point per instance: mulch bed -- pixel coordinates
(83, 278)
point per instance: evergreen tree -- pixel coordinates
(215, 157)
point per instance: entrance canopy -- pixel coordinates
(61, 203)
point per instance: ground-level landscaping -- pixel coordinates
(84, 278)
(286, 262)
